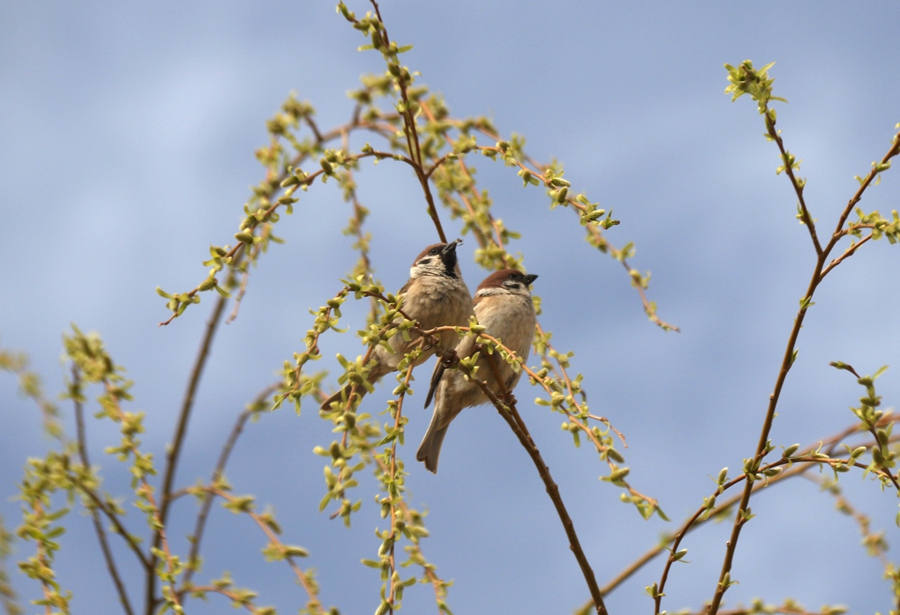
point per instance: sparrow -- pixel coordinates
(503, 306)
(434, 296)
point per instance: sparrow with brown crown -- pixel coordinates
(434, 296)
(503, 306)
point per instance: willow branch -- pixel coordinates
(218, 472)
(238, 599)
(114, 519)
(95, 516)
(761, 447)
(822, 255)
(412, 135)
(847, 253)
(394, 508)
(857, 196)
(538, 171)
(619, 255)
(238, 252)
(511, 415)
(829, 445)
(175, 448)
(796, 183)
(273, 539)
(809, 459)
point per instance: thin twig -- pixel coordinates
(237, 253)
(843, 505)
(391, 478)
(412, 138)
(143, 491)
(275, 540)
(798, 186)
(218, 472)
(95, 516)
(598, 237)
(857, 196)
(175, 447)
(761, 446)
(237, 599)
(538, 170)
(847, 253)
(116, 522)
(810, 459)
(787, 361)
(829, 445)
(415, 549)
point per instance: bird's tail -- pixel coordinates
(430, 449)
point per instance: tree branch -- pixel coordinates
(511, 415)
(218, 472)
(412, 135)
(795, 182)
(819, 271)
(314, 606)
(175, 447)
(95, 516)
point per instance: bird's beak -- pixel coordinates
(451, 247)
(530, 278)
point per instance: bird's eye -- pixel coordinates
(433, 251)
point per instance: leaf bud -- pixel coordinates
(290, 180)
(723, 476)
(619, 474)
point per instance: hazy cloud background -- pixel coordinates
(126, 149)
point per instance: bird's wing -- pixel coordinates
(463, 350)
(436, 376)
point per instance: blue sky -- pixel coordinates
(126, 148)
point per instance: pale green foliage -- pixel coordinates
(7, 594)
(413, 126)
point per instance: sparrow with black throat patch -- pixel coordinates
(434, 296)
